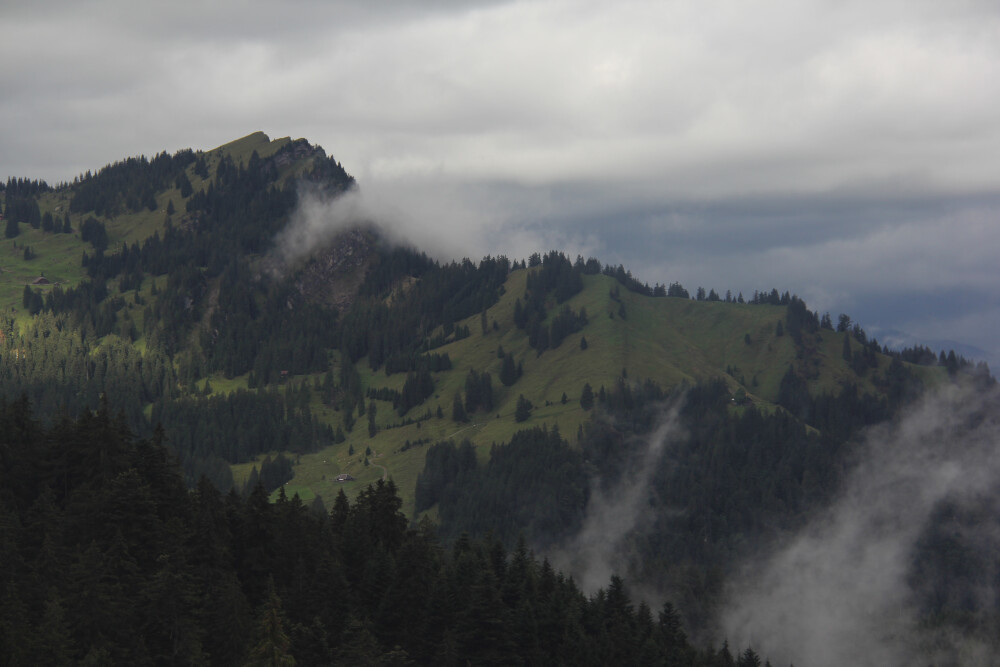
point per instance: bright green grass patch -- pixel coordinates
(241, 149)
(221, 384)
(57, 257)
(304, 493)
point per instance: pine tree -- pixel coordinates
(508, 372)
(273, 645)
(748, 658)
(53, 643)
(458, 413)
(523, 410)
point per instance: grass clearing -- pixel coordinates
(666, 340)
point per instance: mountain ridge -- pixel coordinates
(504, 397)
(660, 338)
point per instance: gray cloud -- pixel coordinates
(840, 591)
(784, 97)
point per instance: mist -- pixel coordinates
(445, 225)
(597, 551)
(842, 591)
(448, 220)
(400, 217)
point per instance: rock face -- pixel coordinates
(334, 274)
(296, 151)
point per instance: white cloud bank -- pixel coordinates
(840, 591)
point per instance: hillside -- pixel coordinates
(506, 396)
(147, 214)
(665, 340)
(58, 255)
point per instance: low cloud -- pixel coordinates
(442, 227)
(841, 591)
(597, 552)
(446, 220)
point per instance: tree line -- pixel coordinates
(106, 558)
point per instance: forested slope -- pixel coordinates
(108, 559)
(502, 396)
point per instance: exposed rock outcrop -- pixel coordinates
(334, 274)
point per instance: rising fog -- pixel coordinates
(597, 552)
(443, 227)
(443, 219)
(842, 591)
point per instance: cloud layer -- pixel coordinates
(840, 591)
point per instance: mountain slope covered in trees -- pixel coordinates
(500, 396)
(108, 559)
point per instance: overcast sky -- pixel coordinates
(845, 151)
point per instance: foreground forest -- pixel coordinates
(109, 559)
(190, 364)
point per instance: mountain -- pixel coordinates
(182, 270)
(286, 350)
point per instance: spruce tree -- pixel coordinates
(458, 413)
(273, 645)
(508, 372)
(523, 410)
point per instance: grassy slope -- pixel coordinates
(58, 255)
(664, 339)
(668, 340)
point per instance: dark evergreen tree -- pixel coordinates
(508, 371)
(458, 413)
(272, 647)
(523, 410)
